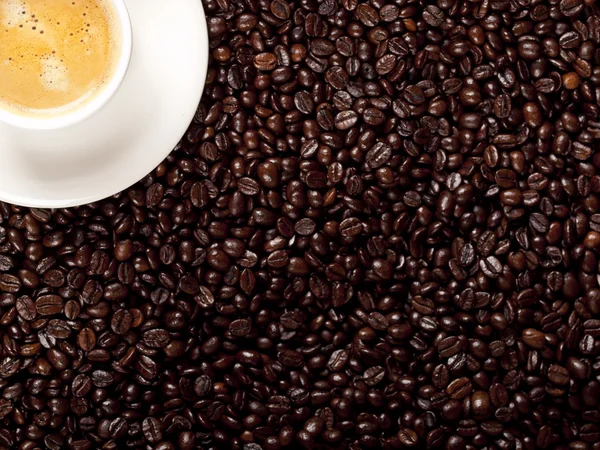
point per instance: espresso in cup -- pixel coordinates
(56, 55)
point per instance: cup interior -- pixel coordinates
(102, 96)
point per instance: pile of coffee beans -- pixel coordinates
(382, 231)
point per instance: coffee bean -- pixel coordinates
(571, 80)
(240, 327)
(373, 116)
(578, 368)
(281, 10)
(459, 388)
(350, 227)
(367, 14)
(157, 338)
(86, 339)
(558, 374)
(265, 62)
(81, 385)
(337, 361)
(6, 408)
(539, 222)
(533, 338)
(152, 429)
(480, 403)
(581, 152)
(502, 106)
(58, 329)
(248, 186)
(9, 283)
(386, 64)
(26, 308)
(204, 298)
(202, 385)
(570, 8)
(345, 120)
(48, 305)
(146, 367)
(118, 428)
(121, 321)
(101, 378)
(569, 40)
(6, 263)
(408, 437)
(290, 358)
(374, 375)
(305, 227)
(433, 15)
(378, 155)
(304, 102)
(498, 395)
(414, 95)
(491, 266)
(589, 433)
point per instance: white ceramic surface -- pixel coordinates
(79, 114)
(136, 129)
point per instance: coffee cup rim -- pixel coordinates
(99, 100)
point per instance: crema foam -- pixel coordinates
(55, 55)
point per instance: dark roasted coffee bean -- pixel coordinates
(204, 298)
(280, 9)
(58, 329)
(202, 385)
(86, 340)
(248, 186)
(152, 429)
(345, 120)
(121, 321)
(558, 374)
(9, 283)
(414, 95)
(26, 308)
(545, 85)
(533, 338)
(502, 106)
(498, 395)
(571, 8)
(265, 62)
(459, 388)
(240, 327)
(146, 367)
(408, 437)
(48, 305)
(433, 16)
(157, 338)
(81, 385)
(378, 155)
(491, 266)
(367, 14)
(374, 375)
(539, 222)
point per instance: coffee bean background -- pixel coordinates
(381, 231)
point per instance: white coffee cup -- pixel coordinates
(99, 100)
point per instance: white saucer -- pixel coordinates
(133, 133)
